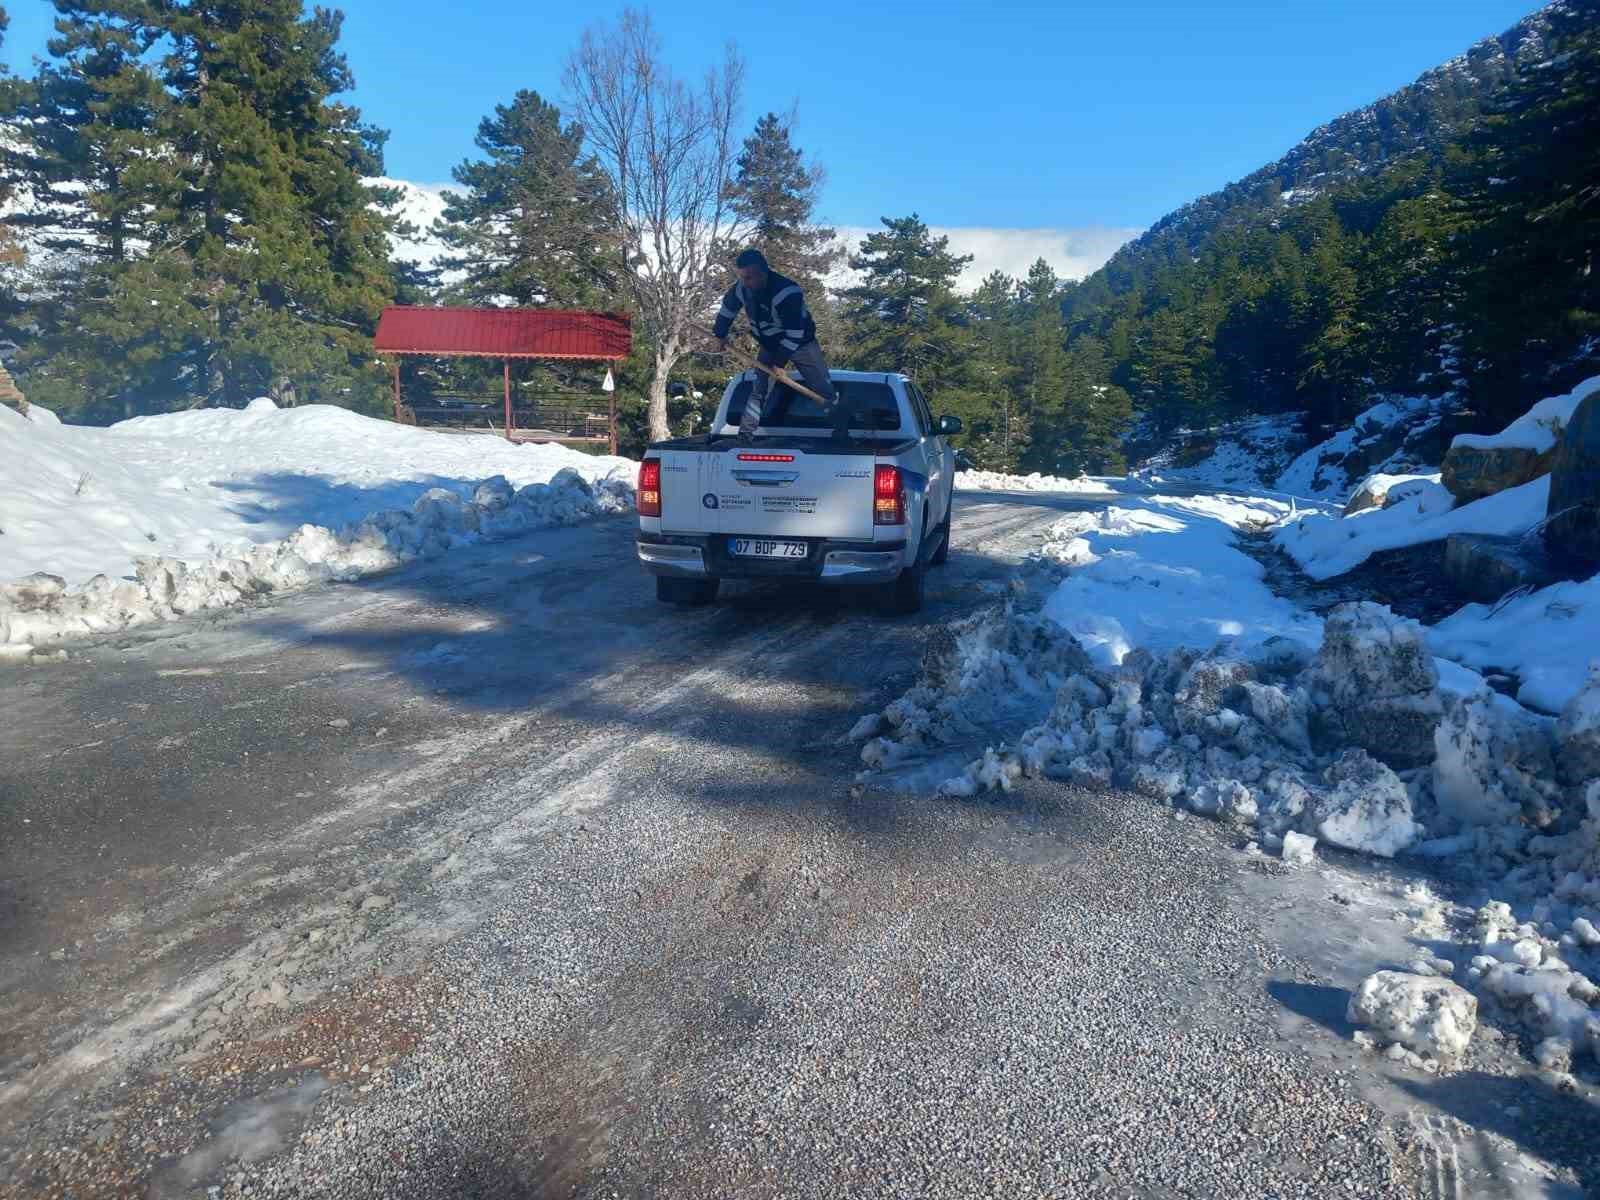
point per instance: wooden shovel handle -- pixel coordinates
(777, 373)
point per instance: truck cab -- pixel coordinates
(797, 502)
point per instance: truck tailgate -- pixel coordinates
(790, 492)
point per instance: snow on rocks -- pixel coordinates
(1382, 490)
(1243, 454)
(1392, 437)
(1539, 428)
(163, 516)
(1327, 544)
(1426, 1015)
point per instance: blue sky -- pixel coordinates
(1065, 116)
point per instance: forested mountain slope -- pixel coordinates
(1439, 241)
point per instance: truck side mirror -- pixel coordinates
(949, 426)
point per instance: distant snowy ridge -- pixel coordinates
(421, 204)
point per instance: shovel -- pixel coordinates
(777, 373)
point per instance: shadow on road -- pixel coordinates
(1315, 1002)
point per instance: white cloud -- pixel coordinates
(1073, 253)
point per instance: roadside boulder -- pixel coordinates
(1483, 568)
(1473, 469)
(1573, 527)
(1423, 1013)
(1374, 684)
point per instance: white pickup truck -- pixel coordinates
(798, 502)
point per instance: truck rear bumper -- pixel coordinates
(705, 556)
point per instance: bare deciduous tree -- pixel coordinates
(668, 146)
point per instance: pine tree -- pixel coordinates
(996, 424)
(1533, 216)
(774, 190)
(532, 221)
(225, 244)
(10, 248)
(904, 312)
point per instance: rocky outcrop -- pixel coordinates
(1473, 472)
(10, 393)
(1484, 568)
(1573, 529)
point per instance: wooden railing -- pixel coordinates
(564, 414)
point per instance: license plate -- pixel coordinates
(760, 548)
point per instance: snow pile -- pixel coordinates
(1537, 429)
(999, 481)
(162, 516)
(1366, 743)
(1243, 732)
(1542, 977)
(1246, 454)
(1422, 1014)
(1362, 743)
(1325, 545)
(1395, 436)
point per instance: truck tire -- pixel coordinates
(904, 596)
(686, 593)
(942, 554)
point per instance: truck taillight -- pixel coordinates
(888, 496)
(648, 495)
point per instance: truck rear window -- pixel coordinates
(872, 405)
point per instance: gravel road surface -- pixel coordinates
(495, 878)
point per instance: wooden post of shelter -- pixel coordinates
(507, 365)
(396, 365)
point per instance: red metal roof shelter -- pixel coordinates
(503, 333)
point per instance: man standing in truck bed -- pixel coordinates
(783, 325)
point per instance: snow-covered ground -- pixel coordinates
(1544, 638)
(158, 516)
(1142, 649)
(1163, 572)
(999, 481)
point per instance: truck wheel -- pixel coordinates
(686, 593)
(942, 554)
(904, 596)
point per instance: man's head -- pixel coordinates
(752, 268)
